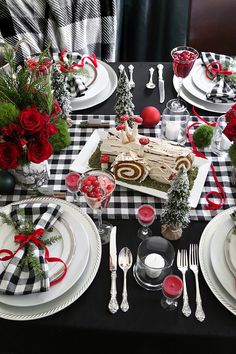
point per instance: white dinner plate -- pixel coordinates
(230, 251)
(95, 87)
(219, 221)
(199, 78)
(81, 164)
(200, 103)
(74, 272)
(218, 260)
(64, 248)
(77, 104)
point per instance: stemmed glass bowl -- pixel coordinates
(183, 59)
(97, 186)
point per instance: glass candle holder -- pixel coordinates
(155, 257)
(174, 124)
(172, 288)
(220, 144)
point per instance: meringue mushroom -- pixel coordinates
(137, 121)
(143, 142)
(123, 136)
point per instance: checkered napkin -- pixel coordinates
(74, 82)
(18, 280)
(224, 89)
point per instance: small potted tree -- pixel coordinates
(175, 214)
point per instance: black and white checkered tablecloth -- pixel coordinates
(125, 202)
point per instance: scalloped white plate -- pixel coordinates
(219, 222)
(76, 217)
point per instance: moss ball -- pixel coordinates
(62, 138)
(8, 113)
(232, 154)
(203, 135)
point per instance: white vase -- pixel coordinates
(33, 174)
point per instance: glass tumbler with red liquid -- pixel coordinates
(172, 288)
(72, 182)
(146, 216)
(183, 59)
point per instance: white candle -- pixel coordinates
(154, 263)
(172, 130)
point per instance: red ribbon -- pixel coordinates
(216, 68)
(64, 68)
(34, 237)
(222, 197)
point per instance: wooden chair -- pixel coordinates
(212, 26)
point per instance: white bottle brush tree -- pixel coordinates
(175, 214)
(60, 90)
(124, 105)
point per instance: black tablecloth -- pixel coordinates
(88, 324)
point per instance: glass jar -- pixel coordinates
(174, 123)
(220, 144)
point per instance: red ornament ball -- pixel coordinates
(151, 116)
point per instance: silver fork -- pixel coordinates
(193, 264)
(131, 81)
(182, 265)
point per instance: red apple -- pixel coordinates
(151, 116)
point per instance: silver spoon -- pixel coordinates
(125, 261)
(150, 84)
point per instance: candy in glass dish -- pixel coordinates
(97, 186)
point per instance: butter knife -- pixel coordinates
(161, 83)
(113, 304)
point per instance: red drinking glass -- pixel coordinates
(172, 288)
(146, 216)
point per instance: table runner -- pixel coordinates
(125, 202)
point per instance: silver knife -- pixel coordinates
(113, 304)
(161, 83)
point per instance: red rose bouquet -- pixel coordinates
(30, 117)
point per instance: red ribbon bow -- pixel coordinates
(34, 237)
(65, 68)
(215, 68)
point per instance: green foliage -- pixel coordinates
(23, 87)
(62, 138)
(203, 135)
(232, 154)
(176, 208)
(8, 113)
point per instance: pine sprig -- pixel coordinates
(50, 241)
(32, 262)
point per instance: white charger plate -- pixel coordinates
(75, 270)
(77, 104)
(218, 222)
(81, 164)
(218, 260)
(230, 251)
(43, 310)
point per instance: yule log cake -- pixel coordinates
(135, 158)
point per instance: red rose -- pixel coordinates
(31, 119)
(40, 149)
(51, 129)
(230, 130)
(9, 155)
(12, 130)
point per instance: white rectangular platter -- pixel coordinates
(81, 164)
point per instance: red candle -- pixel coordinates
(72, 181)
(172, 286)
(146, 214)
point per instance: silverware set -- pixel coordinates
(161, 85)
(183, 264)
(125, 261)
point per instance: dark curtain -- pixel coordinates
(149, 29)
